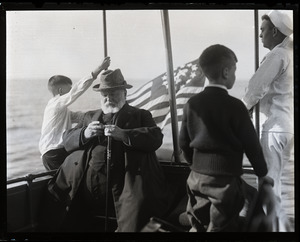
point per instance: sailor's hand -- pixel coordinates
(115, 132)
(95, 128)
(265, 180)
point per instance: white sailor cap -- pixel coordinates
(281, 21)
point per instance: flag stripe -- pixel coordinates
(160, 112)
(190, 89)
(168, 121)
(151, 103)
(160, 115)
(159, 106)
(168, 118)
(140, 92)
(141, 102)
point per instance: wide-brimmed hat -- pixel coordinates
(111, 79)
(281, 21)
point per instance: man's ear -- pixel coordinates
(274, 31)
(60, 91)
(225, 72)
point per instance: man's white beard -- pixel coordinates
(111, 109)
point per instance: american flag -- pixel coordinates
(153, 95)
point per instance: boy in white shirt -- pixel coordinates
(57, 116)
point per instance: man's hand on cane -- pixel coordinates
(95, 128)
(116, 133)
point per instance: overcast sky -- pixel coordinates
(45, 43)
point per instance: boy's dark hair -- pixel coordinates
(214, 58)
(58, 80)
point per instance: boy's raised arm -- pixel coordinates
(105, 64)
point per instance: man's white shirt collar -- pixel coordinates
(217, 85)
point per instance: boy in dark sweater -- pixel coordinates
(216, 131)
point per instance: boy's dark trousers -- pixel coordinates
(214, 202)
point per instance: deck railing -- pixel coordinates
(30, 177)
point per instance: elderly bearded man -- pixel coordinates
(138, 189)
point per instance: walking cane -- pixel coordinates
(108, 137)
(107, 180)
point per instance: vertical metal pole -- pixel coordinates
(104, 33)
(33, 222)
(256, 41)
(170, 77)
(108, 157)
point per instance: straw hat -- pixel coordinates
(281, 21)
(111, 79)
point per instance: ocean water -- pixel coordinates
(26, 100)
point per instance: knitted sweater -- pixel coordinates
(216, 131)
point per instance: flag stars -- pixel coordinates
(193, 74)
(164, 78)
(181, 73)
(194, 67)
(165, 83)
